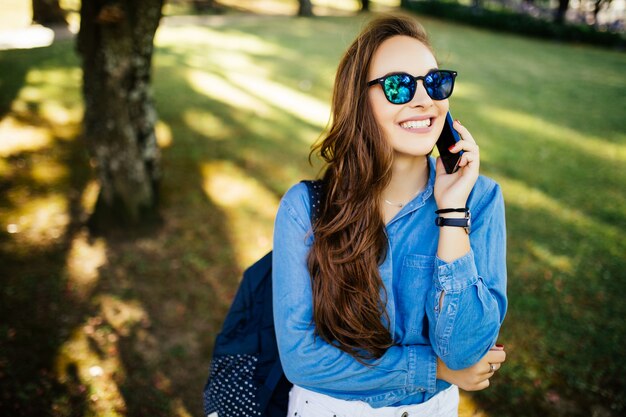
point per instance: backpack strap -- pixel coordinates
(267, 389)
(316, 193)
(315, 189)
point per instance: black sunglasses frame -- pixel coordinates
(381, 81)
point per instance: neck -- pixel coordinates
(409, 175)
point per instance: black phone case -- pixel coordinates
(449, 137)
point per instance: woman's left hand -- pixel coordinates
(452, 190)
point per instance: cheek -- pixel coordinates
(442, 108)
(382, 110)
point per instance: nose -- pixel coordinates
(421, 97)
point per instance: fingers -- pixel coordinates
(478, 386)
(492, 368)
(495, 356)
(478, 379)
(465, 134)
(477, 382)
(492, 362)
(467, 159)
(467, 144)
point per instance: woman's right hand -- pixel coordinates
(476, 377)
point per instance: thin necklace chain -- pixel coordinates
(400, 205)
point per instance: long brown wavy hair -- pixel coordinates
(350, 242)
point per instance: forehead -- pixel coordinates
(401, 54)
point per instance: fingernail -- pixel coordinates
(451, 147)
(457, 120)
(500, 346)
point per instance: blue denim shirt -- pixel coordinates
(460, 333)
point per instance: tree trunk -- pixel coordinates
(306, 8)
(46, 12)
(116, 44)
(365, 5)
(559, 15)
(596, 9)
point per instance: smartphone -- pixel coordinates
(449, 137)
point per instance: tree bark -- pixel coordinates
(596, 9)
(116, 43)
(306, 8)
(559, 15)
(48, 12)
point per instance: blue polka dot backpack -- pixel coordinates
(246, 378)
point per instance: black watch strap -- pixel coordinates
(455, 222)
(443, 221)
(453, 210)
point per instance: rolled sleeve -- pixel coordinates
(467, 324)
(457, 275)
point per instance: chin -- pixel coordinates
(412, 151)
(416, 147)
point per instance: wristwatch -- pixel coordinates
(465, 222)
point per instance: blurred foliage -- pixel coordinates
(507, 20)
(124, 325)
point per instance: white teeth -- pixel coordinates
(415, 124)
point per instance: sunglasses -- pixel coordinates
(399, 87)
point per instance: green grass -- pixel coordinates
(240, 102)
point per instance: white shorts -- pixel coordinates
(306, 403)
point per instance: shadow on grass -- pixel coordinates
(136, 339)
(100, 325)
(34, 296)
(131, 332)
(37, 308)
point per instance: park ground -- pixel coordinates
(123, 325)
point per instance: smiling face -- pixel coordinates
(411, 128)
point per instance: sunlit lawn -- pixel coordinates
(124, 326)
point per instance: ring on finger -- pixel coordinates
(492, 367)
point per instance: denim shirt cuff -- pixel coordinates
(422, 369)
(457, 275)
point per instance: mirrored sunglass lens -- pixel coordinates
(439, 84)
(399, 88)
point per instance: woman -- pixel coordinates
(381, 311)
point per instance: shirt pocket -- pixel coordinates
(416, 281)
